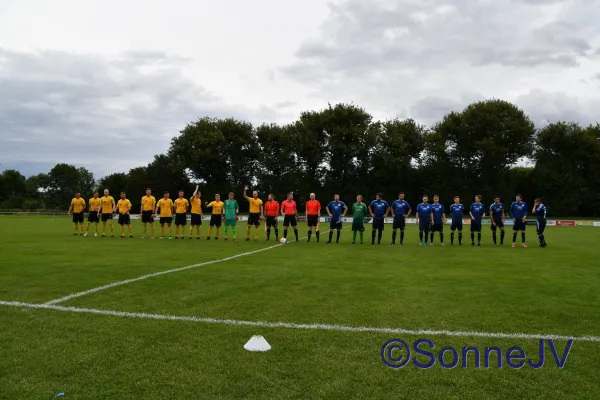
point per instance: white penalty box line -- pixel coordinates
(327, 327)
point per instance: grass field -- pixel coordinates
(74, 348)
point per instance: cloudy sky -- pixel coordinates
(106, 84)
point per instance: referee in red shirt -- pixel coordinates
(271, 213)
(290, 215)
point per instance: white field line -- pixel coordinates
(339, 328)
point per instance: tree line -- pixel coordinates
(342, 149)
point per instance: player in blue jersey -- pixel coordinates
(337, 210)
(518, 212)
(438, 213)
(497, 217)
(424, 220)
(379, 209)
(400, 210)
(457, 211)
(540, 210)
(476, 212)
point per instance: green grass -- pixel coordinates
(488, 289)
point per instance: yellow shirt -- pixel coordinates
(217, 207)
(166, 207)
(124, 206)
(107, 204)
(255, 205)
(196, 208)
(148, 203)
(181, 206)
(94, 204)
(78, 205)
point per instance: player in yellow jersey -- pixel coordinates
(107, 207)
(256, 213)
(94, 208)
(77, 205)
(166, 207)
(216, 217)
(196, 213)
(124, 206)
(181, 207)
(147, 212)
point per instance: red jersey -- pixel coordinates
(271, 208)
(288, 207)
(313, 207)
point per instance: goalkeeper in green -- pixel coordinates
(359, 210)
(232, 210)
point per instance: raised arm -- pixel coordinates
(245, 189)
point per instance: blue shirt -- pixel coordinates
(336, 208)
(477, 209)
(424, 212)
(379, 208)
(400, 207)
(497, 211)
(457, 211)
(438, 211)
(518, 210)
(540, 212)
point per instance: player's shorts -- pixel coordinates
(378, 223)
(124, 219)
(216, 220)
(254, 219)
(358, 225)
(335, 223)
(93, 217)
(106, 217)
(230, 222)
(180, 219)
(456, 225)
(475, 226)
(499, 224)
(424, 225)
(271, 221)
(147, 217)
(166, 220)
(78, 218)
(437, 227)
(399, 222)
(196, 220)
(289, 220)
(541, 226)
(519, 225)
(312, 220)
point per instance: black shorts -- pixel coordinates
(312, 220)
(78, 218)
(93, 217)
(519, 225)
(437, 227)
(196, 220)
(254, 219)
(147, 216)
(335, 223)
(378, 223)
(399, 222)
(216, 220)
(456, 225)
(180, 219)
(499, 224)
(271, 221)
(289, 220)
(541, 226)
(124, 219)
(106, 217)
(424, 225)
(166, 220)
(475, 226)
(358, 225)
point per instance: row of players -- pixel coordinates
(429, 217)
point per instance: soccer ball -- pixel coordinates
(283, 240)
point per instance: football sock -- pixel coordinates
(442, 237)
(502, 237)
(431, 237)
(337, 239)
(472, 237)
(256, 232)
(394, 237)
(401, 236)
(459, 237)
(354, 237)
(361, 236)
(373, 234)
(234, 231)
(330, 236)
(523, 237)
(276, 234)
(309, 235)
(209, 231)
(514, 237)
(217, 232)
(296, 233)
(494, 237)
(379, 235)
(451, 237)
(248, 231)
(426, 235)
(226, 230)
(478, 237)
(317, 234)
(420, 236)
(268, 233)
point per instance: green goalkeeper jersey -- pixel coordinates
(359, 210)
(230, 208)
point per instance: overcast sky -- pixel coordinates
(106, 84)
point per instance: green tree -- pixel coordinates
(115, 183)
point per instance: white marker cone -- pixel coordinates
(257, 343)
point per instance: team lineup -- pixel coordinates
(429, 217)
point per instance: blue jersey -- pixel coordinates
(497, 211)
(518, 210)
(540, 213)
(379, 208)
(424, 211)
(336, 208)
(400, 207)
(457, 211)
(438, 211)
(478, 210)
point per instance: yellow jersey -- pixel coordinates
(255, 205)
(196, 205)
(217, 207)
(166, 207)
(107, 204)
(78, 205)
(148, 203)
(124, 206)
(181, 206)
(94, 204)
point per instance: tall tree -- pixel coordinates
(115, 183)
(64, 183)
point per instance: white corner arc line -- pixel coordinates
(328, 327)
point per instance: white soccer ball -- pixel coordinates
(283, 240)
